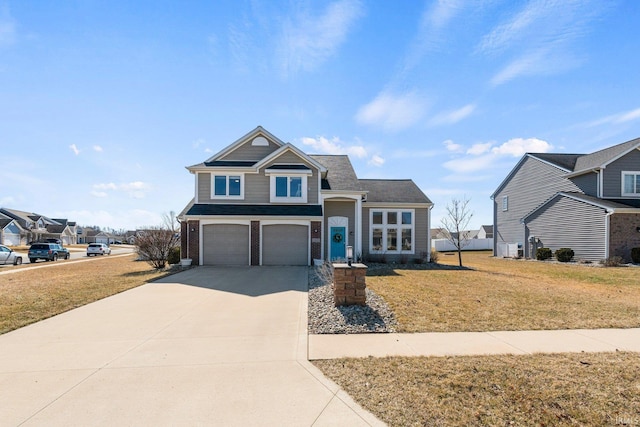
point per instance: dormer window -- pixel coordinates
(288, 188)
(227, 186)
(631, 184)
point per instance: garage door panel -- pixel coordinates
(285, 244)
(225, 244)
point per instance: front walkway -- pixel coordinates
(473, 343)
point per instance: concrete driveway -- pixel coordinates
(208, 346)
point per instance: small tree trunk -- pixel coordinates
(460, 257)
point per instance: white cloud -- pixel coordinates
(198, 142)
(540, 37)
(517, 147)
(470, 164)
(452, 146)
(308, 41)
(74, 149)
(135, 190)
(619, 118)
(452, 117)
(323, 145)
(393, 112)
(480, 148)
(376, 160)
(98, 148)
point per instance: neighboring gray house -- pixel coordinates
(34, 226)
(261, 201)
(485, 232)
(587, 202)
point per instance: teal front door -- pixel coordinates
(338, 242)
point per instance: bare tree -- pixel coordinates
(455, 224)
(154, 244)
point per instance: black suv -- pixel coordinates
(47, 251)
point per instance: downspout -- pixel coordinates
(429, 233)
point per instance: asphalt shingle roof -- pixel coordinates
(565, 161)
(393, 191)
(599, 158)
(340, 173)
(255, 210)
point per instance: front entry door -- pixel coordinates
(338, 242)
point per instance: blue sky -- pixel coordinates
(104, 103)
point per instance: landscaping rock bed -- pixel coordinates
(325, 318)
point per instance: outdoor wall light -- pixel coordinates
(349, 255)
(638, 229)
(193, 229)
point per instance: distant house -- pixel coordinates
(10, 231)
(485, 232)
(34, 226)
(587, 202)
(261, 201)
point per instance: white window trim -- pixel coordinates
(505, 203)
(227, 197)
(288, 199)
(635, 173)
(398, 227)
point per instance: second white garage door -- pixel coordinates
(285, 244)
(225, 244)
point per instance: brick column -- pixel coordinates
(349, 284)
(316, 243)
(183, 239)
(255, 242)
(194, 241)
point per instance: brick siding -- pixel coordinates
(624, 235)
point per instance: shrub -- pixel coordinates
(153, 245)
(612, 261)
(543, 253)
(435, 255)
(564, 254)
(174, 255)
(325, 272)
(635, 255)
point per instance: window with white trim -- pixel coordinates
(392, 231)
(289, 188)
(227, 186)
(631, 183)
(505, 203)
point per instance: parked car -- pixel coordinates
(98, 249)
(9, 256)
(47, 251)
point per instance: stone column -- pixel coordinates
(349, 284)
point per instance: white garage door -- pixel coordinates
(225, 244)
(285, 244)
(11, 239)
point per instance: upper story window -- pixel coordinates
(227, 186)
(505, 203)
(631, 184)
(289, 188)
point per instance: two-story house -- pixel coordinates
(587, 202)
(261, 201)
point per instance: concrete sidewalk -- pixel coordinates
(473, 343)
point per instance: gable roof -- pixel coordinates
(563, 161)
(23, 217)
(340, 175)
(604, 157)
(393, 191)
(258, 131)
(290, 148)
(605, 204)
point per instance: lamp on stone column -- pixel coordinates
(349, 255)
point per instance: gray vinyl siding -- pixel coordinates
(339, 208)
(256, 185)
(248, 152)
(531, 185)
(568, 223)
(588, 183)
(612, 177)
(421, 243)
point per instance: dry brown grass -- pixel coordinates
(33, 294)
(501, 294)
(592, 389)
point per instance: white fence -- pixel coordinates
(443, 245)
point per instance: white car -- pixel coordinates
(8, 256)
(98, 249)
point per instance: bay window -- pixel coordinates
(392, 231)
